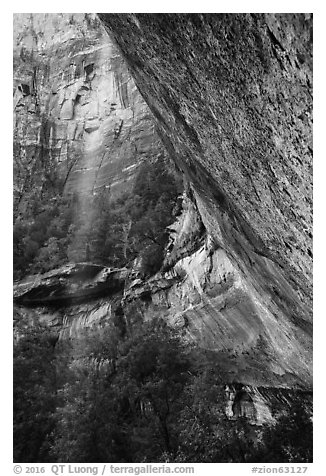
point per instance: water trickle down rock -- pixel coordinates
(79, 119)
(228, 281)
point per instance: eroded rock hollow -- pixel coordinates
(231, 97)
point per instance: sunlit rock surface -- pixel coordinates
(232, 99)
(69, 321)
(206, 296)
(201, 293)
(80, 123)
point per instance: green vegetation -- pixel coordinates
(144, 396)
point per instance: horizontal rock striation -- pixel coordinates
(70, 284)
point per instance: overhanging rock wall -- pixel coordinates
(232, 95)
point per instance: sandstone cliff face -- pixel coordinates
(201, 293)
(79, 120)
(232, 97)
(69, 284)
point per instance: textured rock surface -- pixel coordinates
(68, 321)
(69, 284)
(78, 118)
(202, 294)
(206, 296)
(232, 96)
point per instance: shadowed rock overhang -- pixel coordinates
(232, 95)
